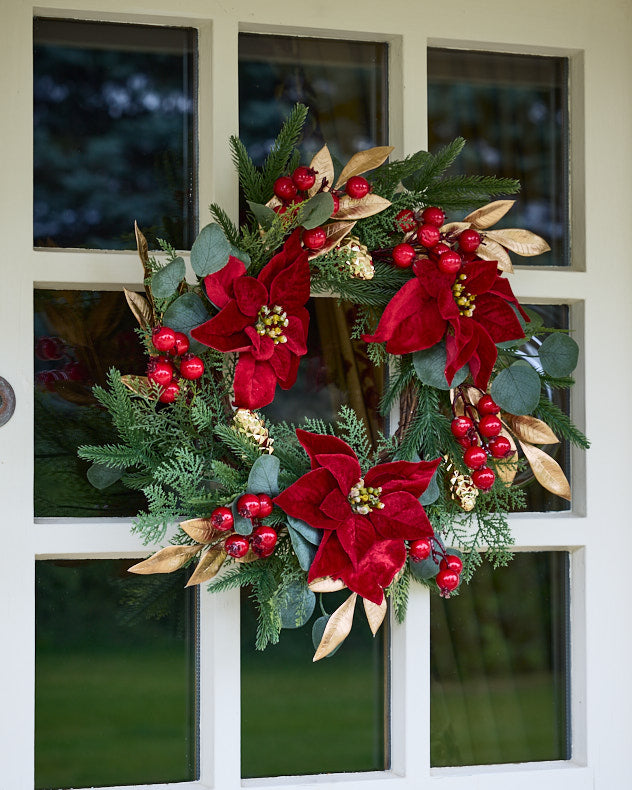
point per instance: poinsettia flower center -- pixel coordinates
(364, 500)
(271, 321)
(464, 299)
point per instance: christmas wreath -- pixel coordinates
(296, 512)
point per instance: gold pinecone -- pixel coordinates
(250, 424)
(462, 488)
(359, 260)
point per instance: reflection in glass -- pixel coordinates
(298, 717)
(344, 84)
(114, 131)
(500, 664)
(114, 676)
(513, 112)
(79, 336)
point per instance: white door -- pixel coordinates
(594, 41)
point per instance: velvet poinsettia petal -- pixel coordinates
(322, 444)
(289, 381)
(344, 468)
(482, 362)
(261, 346)
(402, 517)
(250, 295)
(498, 318)
(376, 570)
(225, 331)
(291, 249)
(433, 280)
(281, 361)
(460, 346)
(356, 535)
(219, 285)
(254, 383)
(480, 276)
(502, 288)
(330, 560)
(410, 476)
(291, 286)
(296, 336)
(304, 499)
(336, 505)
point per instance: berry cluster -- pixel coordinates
(478, 432)
(263, 538)
(426, 240)
(450, 565)
(161, 370)
(53, 349)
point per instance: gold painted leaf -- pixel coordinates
(508, 467)
(166, 560)
(326, 584)
(336, 231)
(547, 471)
(490, 250)
(530, 429)
(141, 245)
(139, 307)
(364, 161)
(139, 385)
(357, 208)
(200, 529)
(522, 242)
(250, 556)
(337, 629)
(208, 566)
(455, 227)
(324, 167)
(488, 215)
(375, 614)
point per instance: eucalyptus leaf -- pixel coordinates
(430, 367)
(516, 389)
(184, 314)
(166, 281)
(240, 255)
(431, 494)
(559, 354)
(210, 251)
(425, 569)
(311, 534)
(296, 605)
(317, 210)
(241, 525)
(264, 475)
(263, 214)
(304, 550)
(102, 476)
(318, 629)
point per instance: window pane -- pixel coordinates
(298, 717)
(513, 112)
(344, 83)
(114, 132)
(499, 665)
(79, 336)
(115, 676)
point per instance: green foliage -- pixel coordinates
(560, 423)
(398, 593)
(434, 165)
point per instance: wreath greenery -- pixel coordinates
(298, 511)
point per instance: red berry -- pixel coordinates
(304, 178)
(500, 447)
(163, 338)
(471, 440)
(264, 540)
(475, 457)
(75, 371)
(403, 255)
(49, 348)
(357, 187)
(405, 220)
(447, 582)
(460, 426)
(451, 562)
(420, 549)
(336, 204)
(487, 405)
(483, 478)
(490, 425)
(222, 519)
(248, 505)
(433, 216)
(428, 235)
(469, 240)
(265, 505)
(191, 367)
(438, 250)
(181, 345)
(160, 371)
(284, 188)
(314, 238)
(237, 545)
(170, 392)
(449, 262)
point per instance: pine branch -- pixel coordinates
(388, 177)
(434, 166)
(249, 177)
(231, 231)
(398, 593)
(560, 423)
(282, 151)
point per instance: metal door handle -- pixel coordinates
(7, 401)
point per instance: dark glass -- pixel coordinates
(499, 656)
(513, 112)
(79, 336)
(114, 134)
(115, 676)
(298, 717)
(344, 84)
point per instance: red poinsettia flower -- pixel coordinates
(263, 319)
(365, 519)
(471, 309)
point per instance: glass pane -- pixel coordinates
(513, 112)
(114, 131)
(79, 336)
(298, 717)
(499, 665)
(344, 83)
(115, 676)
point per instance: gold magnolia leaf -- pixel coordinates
(139, 385)
(336, 231)
(530, 429)
(357, 208)
(337, 629)
(375, 614)
(488, 215)
(166, 560)
(326, 584)
(362, 162)
(250, 556)
(522, 242)
(455, 227)
(508, 467)
(490, 250)
(141, 245)
(324, 167)
(139, 307)
(200, 529)
(547, 471)
(208, 566)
